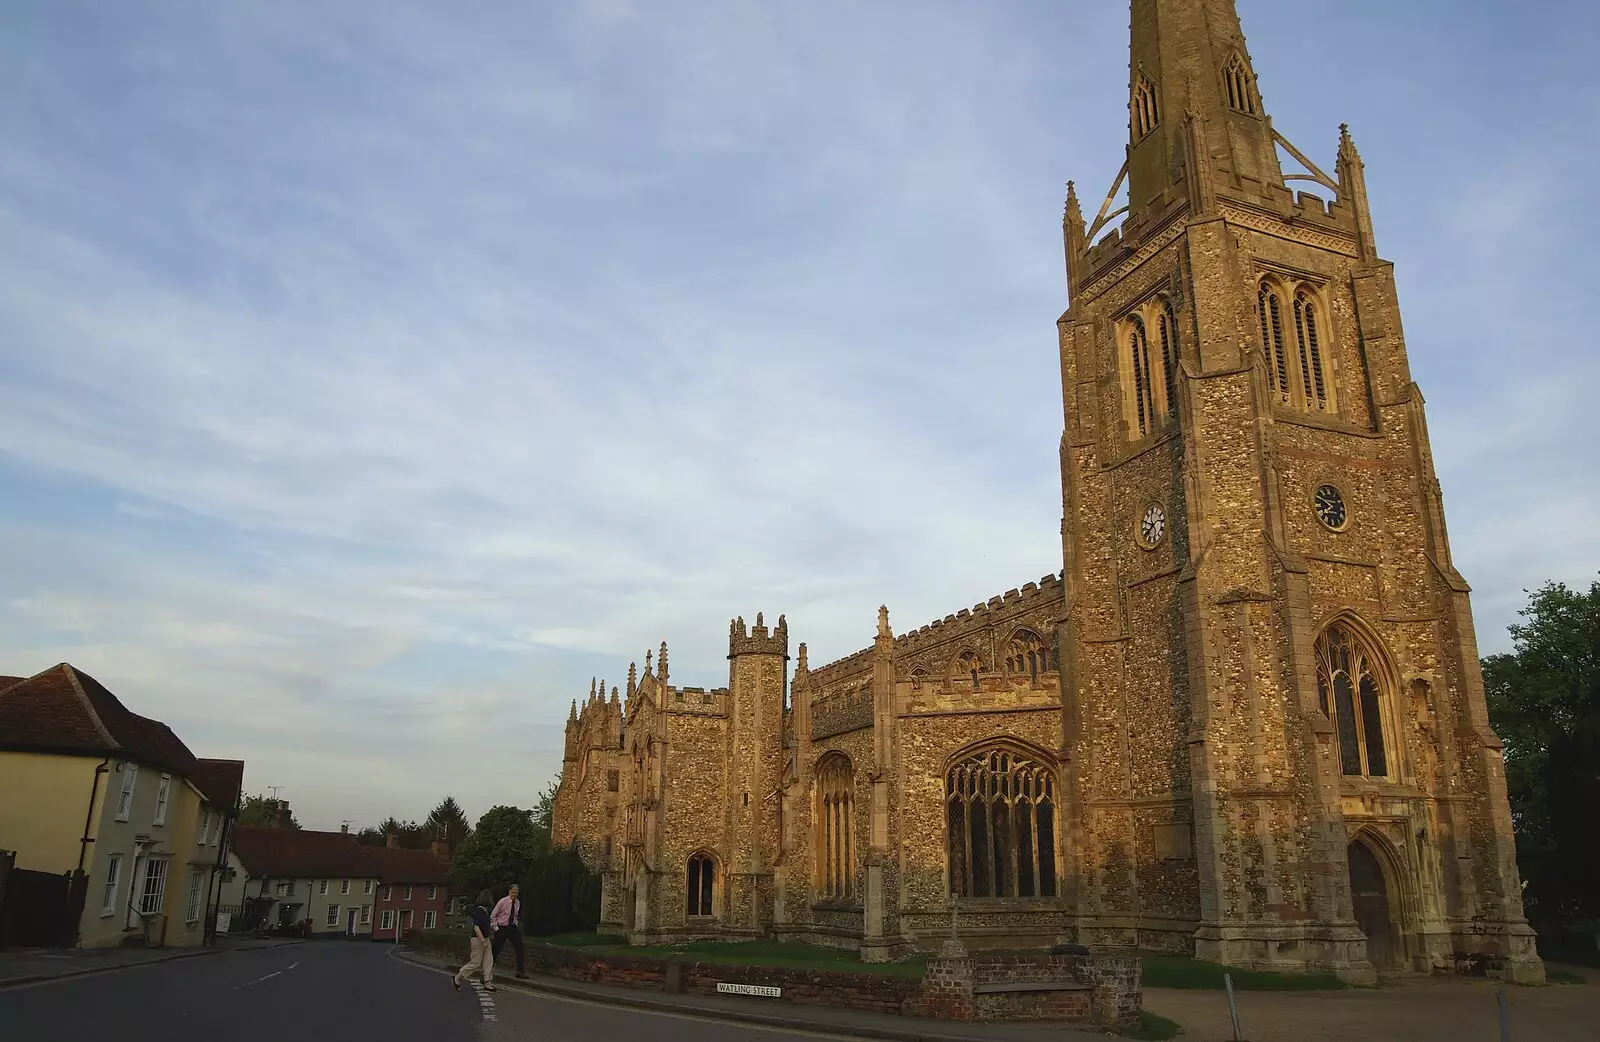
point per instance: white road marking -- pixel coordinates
(269, 976)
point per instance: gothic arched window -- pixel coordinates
(702, 884)
(1167, 323)
(1150, 347)
(1350, 690)
(1000, 824)
(1146, 107)
(1026, 656)
(1241, 93)
(1313, 380)
(1269, 308)
(836, 810)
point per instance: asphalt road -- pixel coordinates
(350, 991)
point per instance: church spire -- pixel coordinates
(1187, 62)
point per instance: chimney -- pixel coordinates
(391, 840)
(440, 848)
(345, 828)
(285, 820)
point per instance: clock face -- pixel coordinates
(1329, 505)
(1153, 525)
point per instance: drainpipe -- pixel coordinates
(88, 815)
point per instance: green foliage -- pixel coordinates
(559, 895)
(1152, 1028)
(1177, 971)
(583, 939)
(499, 851)
(1544, 702)
(262, 811)
(448, 823)
(544, 811)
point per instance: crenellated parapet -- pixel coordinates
(1034, 607)
(756, 640)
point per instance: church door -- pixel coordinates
(1369, 893)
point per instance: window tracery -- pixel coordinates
(1146, 107)
(1350, 691)
(1000, 824)
(702, 876)
(1027, 657)
(1240, 86)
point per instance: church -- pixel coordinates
(1244, 721)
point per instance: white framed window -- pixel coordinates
(408, 891)
(191, 910)
(333, 915)
(386, 920)
(366, 886)
(322, 887)
(433, 893)
(388, 893)
(130, 775)
(161, 799)
(108, 901)
(344, 886)
(284, 888)
(366, 915)
(153, 895)
(429, 919)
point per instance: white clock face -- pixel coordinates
(1153, 525)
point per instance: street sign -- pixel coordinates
(764, 990)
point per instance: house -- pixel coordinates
(116, 829)
(297, 876)
(413, 890)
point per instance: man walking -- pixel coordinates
(507, 921)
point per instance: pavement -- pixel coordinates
(767, 1013)
(31, 965)
(362, 990)
(1406, 1009)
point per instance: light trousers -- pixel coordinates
(481, 961)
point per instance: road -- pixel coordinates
(325, 990)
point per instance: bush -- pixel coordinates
(559, 895)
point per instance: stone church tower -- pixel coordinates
(1274, 725)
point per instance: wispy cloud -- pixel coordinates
(370, 381)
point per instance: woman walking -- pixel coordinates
(482, 959)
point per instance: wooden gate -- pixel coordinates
(41, 910)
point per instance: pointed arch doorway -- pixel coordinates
(1370, 899)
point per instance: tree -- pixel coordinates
(500, 849)
(448, 823)
(544, 813)
(1544, 702)
(262, 810)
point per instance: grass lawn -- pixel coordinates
(1176, 971)
(581, 939)
(1153, 1028)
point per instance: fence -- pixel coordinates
(39, 909)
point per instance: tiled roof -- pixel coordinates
(220, 780)
(300, 853)
(65, 710)
(410, 866)
(6, 682)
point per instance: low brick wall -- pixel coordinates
(1094, 988)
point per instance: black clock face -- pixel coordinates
(1153, 525)
(1329, 505)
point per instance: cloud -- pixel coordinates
(369, 383)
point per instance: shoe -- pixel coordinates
(490, 987)
(457, 982)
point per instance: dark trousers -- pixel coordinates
(514, 934)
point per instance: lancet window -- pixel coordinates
(1149, 348)
(836, 810)
(1294, 340)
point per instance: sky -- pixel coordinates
(372, 376)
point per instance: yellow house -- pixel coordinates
(115, 802)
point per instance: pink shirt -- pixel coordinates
(505, 912)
